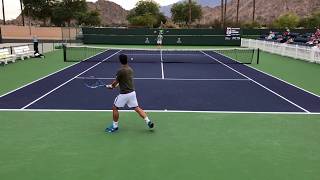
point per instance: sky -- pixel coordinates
(12, 7)
(129, 4)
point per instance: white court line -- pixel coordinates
(258, 83)
(171, 79)
(162, 68)
(47, 75)
(285, 82)
(274, 77)
(114, 78)
(166, 54)
(158, 111)
(70, 80)
(177, 79)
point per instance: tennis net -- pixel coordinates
(204, 56)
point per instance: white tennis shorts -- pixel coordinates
(159, 42)
(129, 99)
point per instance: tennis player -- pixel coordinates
(160, 38)
(127, 96)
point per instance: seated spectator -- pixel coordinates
(271, 36)
(317, 34)
(283, 39)
(312, 40)
(287, 32)
(285, 36)
(290, 40)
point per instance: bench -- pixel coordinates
(6, 57)
(23, 51)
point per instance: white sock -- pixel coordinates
(147, 119)
(115, 124)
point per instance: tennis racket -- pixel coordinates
(93, 82)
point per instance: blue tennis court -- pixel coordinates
(188, 81)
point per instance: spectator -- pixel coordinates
(287, 32)
(271, 36)
(285, 37)
(36, 49)
(290, 40)
(317, 34)
(35, 44)
(312, 40)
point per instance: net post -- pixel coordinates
(64, 47)
(258, 56)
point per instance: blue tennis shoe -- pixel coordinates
(111, 129)
(150, 125)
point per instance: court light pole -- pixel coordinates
(3, 13)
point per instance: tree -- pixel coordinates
(180, 12)
(74, 9)
(21, 8)
(147, 19)
(69, 12)
(312, 21)
(225, 13)
(222, 18)
(253, 11)
(146, 7)
(3, 14)
(237, 16)
(89, 18)
(290, 20)
(38, 9)
(251, 25)
(59, 15)
(190, 11)
(146, 13)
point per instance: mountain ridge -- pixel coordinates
(210, 3)
(112, 14)
(266, 11)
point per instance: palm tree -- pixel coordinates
(4, 17)
(238, 5)
(190, 12)
(22, 14)
(225, 13)
(254, 10)
(222, 14)
(286, 5)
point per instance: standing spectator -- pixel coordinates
(36, 48)
(35, 44)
